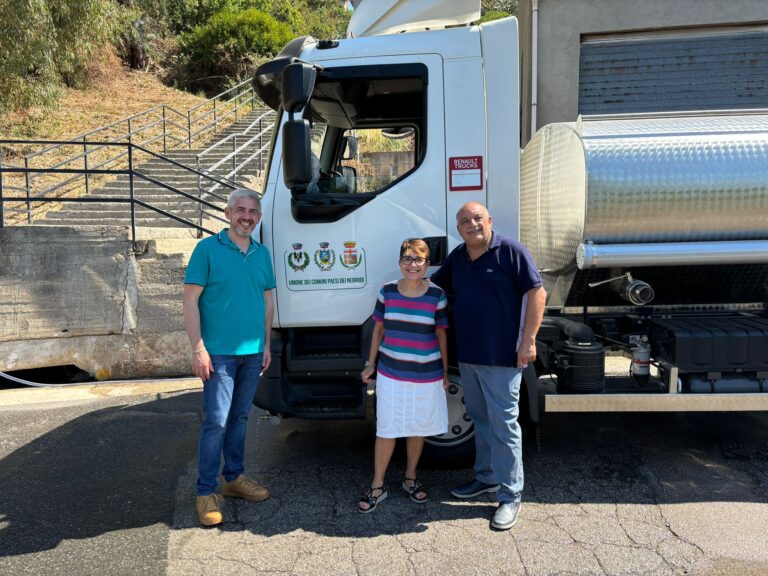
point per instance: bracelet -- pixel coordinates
(201, 349)
(368, 364)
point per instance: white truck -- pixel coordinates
(651, 232)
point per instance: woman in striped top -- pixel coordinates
(410, 344)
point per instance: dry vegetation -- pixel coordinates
(113, 94)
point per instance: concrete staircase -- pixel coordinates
(178, 177)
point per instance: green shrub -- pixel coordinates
(46, 43)
(228, 47)
(493, 15)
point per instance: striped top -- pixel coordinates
(410, 351)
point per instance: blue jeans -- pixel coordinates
(491, 395)
(227, 399)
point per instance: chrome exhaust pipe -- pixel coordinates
(634, 291)
(637, 292)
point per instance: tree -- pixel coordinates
(46, 43)
(509, 7)
(228, 47)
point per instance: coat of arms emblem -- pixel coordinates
(298, 260)
(351, 259)
(324, 257)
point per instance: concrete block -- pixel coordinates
(63, 281)
(83, 296)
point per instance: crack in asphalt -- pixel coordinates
(601, 514)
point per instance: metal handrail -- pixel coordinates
(233, 155)
(236, 150)
(221, 94)
(163, 107)
(129, 149)
(160, 128)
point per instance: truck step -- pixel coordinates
(335, 408)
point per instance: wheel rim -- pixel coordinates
(460, 427)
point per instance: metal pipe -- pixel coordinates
(91, 133)
(221, 94)
(132, 193)
(27, 186)
(234, 157)
(636, 292)
(85, 165)
(534, 64)
(165, 131)
(590, 255)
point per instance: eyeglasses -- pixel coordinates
(419, 261)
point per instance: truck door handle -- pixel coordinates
(438, 248)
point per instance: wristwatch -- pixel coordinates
(367, 363)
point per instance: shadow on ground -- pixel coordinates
(316, 471)
(127, 467)
(110, 470)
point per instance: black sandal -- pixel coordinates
(415, 489)
(371, 500)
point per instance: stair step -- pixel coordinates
(183, 178)
(150, 222)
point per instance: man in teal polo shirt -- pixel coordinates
(228, 314)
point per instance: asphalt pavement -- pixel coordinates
(99, 480)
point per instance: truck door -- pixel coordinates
(378, 154)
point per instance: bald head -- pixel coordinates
(474, 225)
(471, 208)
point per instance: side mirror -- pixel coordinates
(297, 83)
(297, 163)
(350, 148)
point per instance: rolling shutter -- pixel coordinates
(704, 71)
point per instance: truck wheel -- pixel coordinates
(457, 446)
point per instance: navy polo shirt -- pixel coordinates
(232, 310)
(488, 299)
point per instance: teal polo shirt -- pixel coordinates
(232, 311)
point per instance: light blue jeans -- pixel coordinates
(227, 399)
(491, 395)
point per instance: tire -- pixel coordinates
(455, 448)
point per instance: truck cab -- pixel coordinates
(379, 141)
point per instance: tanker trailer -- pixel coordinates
(652, 235)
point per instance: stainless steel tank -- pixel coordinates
(639, 194)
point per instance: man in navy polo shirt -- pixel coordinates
(498, 306)
(228, 314)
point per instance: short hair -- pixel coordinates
(416, 245)
(238, 193)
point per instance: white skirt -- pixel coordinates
(407, 409)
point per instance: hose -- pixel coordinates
(576, 331)
(36, 384)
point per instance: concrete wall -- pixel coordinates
(81, 296)
(563, 22)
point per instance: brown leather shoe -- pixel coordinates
(209, 509)
(244, 487)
